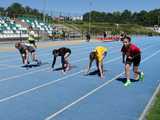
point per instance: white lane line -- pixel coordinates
(40, 70)
(41, 53)
(6, 59)
(18, 66)
(52, 82)
(49, 83)
(149, 104)
(94, 90)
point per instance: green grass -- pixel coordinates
(100, 27)
(154, 112)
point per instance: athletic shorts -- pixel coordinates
(136, 60)
(31, 49)
(31, 41)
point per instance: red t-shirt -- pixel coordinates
(132, 50)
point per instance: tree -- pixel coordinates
(2, 11)
(15, 9)
(28, 10)
(117, 17)
(126, 16)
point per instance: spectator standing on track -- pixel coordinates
(131, 54)
(122, 36)
(104, 34)
(63, 34)
(88, 37)
(31, 38)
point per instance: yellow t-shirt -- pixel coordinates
(100, 51)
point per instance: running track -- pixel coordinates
(42, 94)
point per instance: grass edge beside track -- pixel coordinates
(154, 110)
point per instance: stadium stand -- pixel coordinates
(10, 30)
(17, 29)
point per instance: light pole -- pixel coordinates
(158, 21)
(117, 26)
(44, 8)
(89, 25)
(158, 24)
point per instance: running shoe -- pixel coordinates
(141, 76)
(128, 82)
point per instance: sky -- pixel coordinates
(79, 7)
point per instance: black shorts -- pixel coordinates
(136, 60)
(32, 42)
(31, 49)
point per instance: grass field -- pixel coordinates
(154, 113)
(99, 27)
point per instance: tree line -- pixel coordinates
(17, 10)
(145, 18)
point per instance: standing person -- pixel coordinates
(31, 38)
(63, 34)
(98, 54)
(122, 36)
(104, 34)
(24, 50)
(88, 37)
(64, 53)
(131, 54)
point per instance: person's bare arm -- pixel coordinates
(54, 61)
(23, 58)
(89, 66)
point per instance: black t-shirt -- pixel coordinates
(62, 51)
